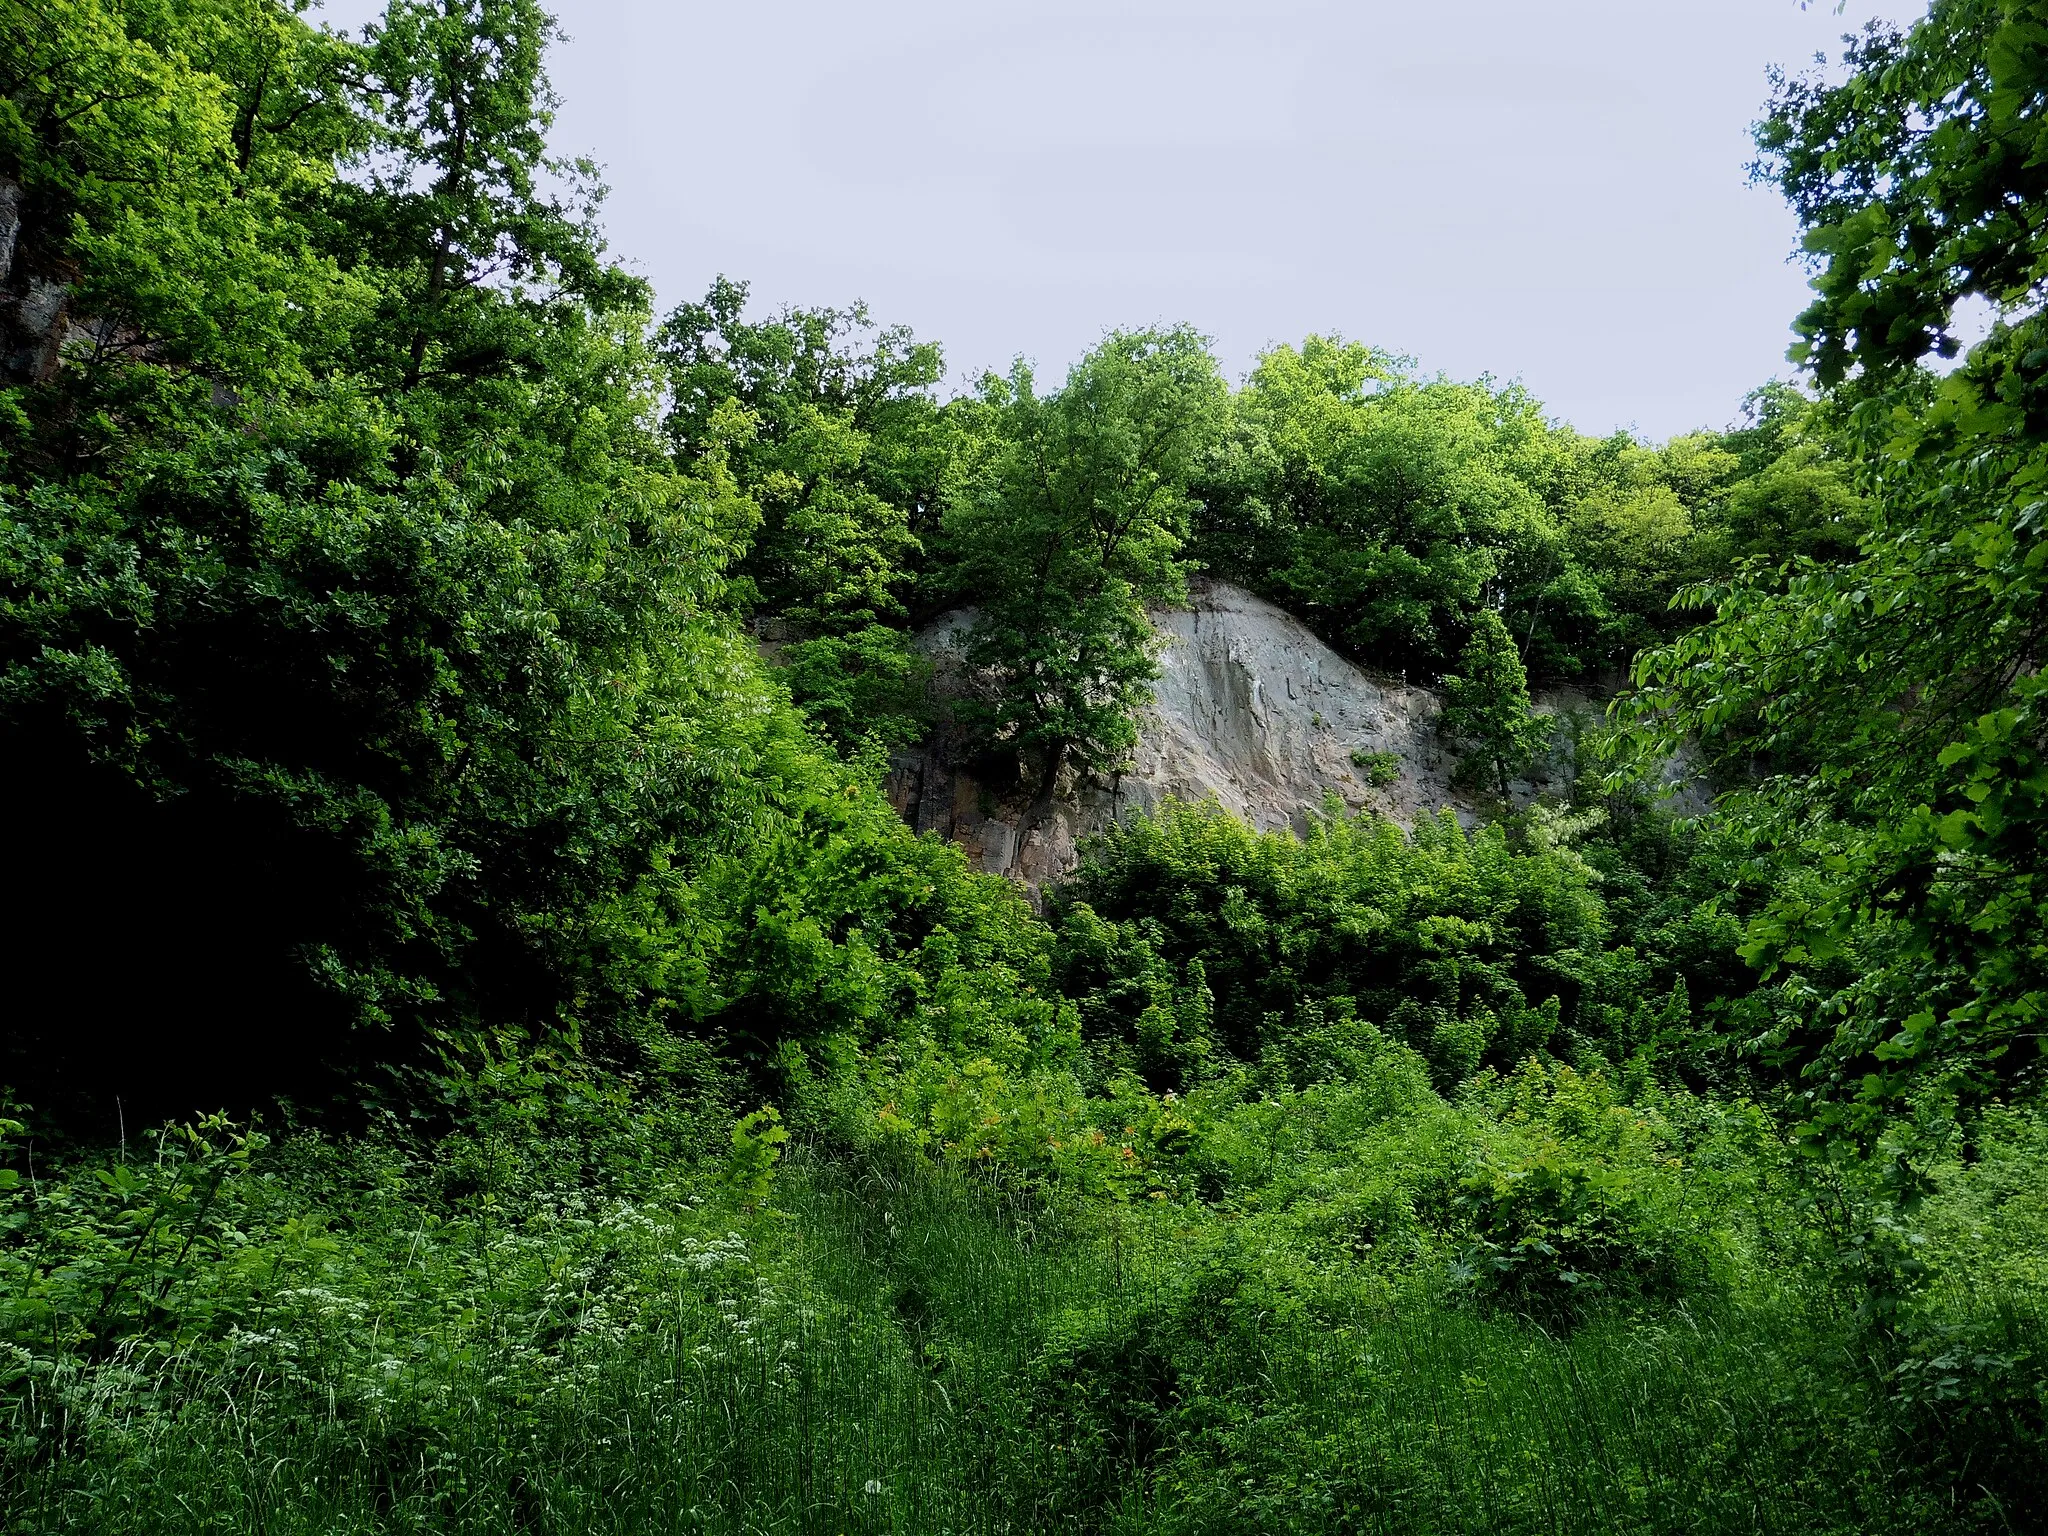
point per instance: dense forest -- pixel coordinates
(483, 1054)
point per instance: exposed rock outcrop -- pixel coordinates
(33, 303)
(1250, 709)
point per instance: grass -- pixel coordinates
(914, 1352)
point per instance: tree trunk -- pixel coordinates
(1055, 760)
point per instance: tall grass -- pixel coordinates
(914, 1352)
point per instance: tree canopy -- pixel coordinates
(1894, 698)
(1064, 521)
(364, 637)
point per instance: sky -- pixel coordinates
(1550, 192)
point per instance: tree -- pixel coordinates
(1382, 508)
(1387, 510)
(1796, 494)
(157, 206)
(366, 656)
(1487, 703)
(354, 643)
(477, 228)
(845, 454)
(1897, 700)
(1065, 519)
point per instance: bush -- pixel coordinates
(1455, 942)
(1382, 769)
(1551, 1235)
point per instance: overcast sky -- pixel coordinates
(1549, 190)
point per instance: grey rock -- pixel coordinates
(1251, 711)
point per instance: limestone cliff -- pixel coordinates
(1250, 709)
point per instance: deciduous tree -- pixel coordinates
(1898, 699)
(1064, 525)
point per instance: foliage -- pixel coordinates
(1575, 1217)
(400, 685)
(1188, 941)
(491, 1328)
(757, 1141)
(1486, 706)
(166, 197)
(453, 709)
(867, 686)
(1382, 769)
(1376, 506)
(1894, 700)
(845, 454)
(317, 628)
(1390, 511)
(844, 415)
(1064, 522)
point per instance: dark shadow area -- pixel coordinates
(153, 949)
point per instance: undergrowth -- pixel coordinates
(1377, 1333)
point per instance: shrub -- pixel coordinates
(1447, 939)
(1550, 1234)
(1382, 769)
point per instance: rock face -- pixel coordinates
(1250, 710)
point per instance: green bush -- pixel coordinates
(1550, 1234)
(869, 686)
(1382, 769)
(1455, 942)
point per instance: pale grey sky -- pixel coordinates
(1550, 190)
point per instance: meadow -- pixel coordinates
(574, 1336)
